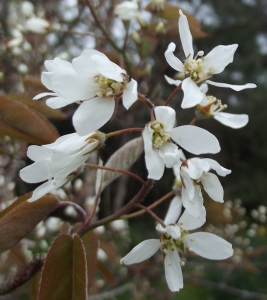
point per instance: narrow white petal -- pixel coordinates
(170, 154)
(130, 94)
(212, 186)
(192, 93)
(46, 188)
(167, 116)
(194, 206)
(39, 96)
(36, 153)
(195, 140)
(36, 172)
(176, 167)
(173, 230)
(141, 252)
(231, 120)
(209, 245)
(93, 114)
(185, 35)
(173, 270)
(172, 81)
(217, 167)
(174, 211)
(172, 60)
(188, 189)
(189, 222)
(218, 58)
(196, 166)
(233, 86)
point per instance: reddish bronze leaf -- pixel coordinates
(20, 218)
(24, 120)
(40, 107)
(90, 242)
(64, 272)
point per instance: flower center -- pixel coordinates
(160, 136)
(168, 241)
(193, 68)
(213, 106)
(109, 87)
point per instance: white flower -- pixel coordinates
(58, 162)
(91, 76)
(37, 25)
(200, 68)
(174, 239)
(210, 106)
(126, 10)
(195, 174)
(159, 149)
(27, 9)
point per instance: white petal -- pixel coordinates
(173, 270)
(209, 245)
(194, 206)
(172, 81)
(57, 65)
(46, 188)
(46, 78)
(196, 166)
(107, 68)
(176, 167)
(188, 189)
(166, 115)
(170, 154)
(189, 222)
(36, 153)
(74, 87)
(172, 60)
(141, 252)
(84, 64)
(173, 230)
(218, 58)
(212, 186)
(185, 35)
(130, 94)
(36, 172)
(58, 102)
(174, 211)
(195, 140)
(231, 120)
(217, 167)
(233, 86)
(93, 114)
(192, 93)
(39, 96)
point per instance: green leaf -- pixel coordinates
(64, 272)
(20, 121)
(90, 242)
(21, 217)
(122, 159)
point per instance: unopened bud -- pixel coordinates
(160, 28)
(136, 37)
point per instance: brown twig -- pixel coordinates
(23, 276)
(173, 94)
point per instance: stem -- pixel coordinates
(114, 133)
(23, 276)
(194, 120)
(117, 170)
(156, 203)
(154, 216)
(173, 93)
(150, 105)
(107, 35)
(129, 206)
(76, 206)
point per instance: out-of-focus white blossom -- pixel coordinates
(126, 10)
(37, 25)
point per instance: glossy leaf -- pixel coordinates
(64, 275)
(20, 218)
(90, 242)
(20, 119)
(122, 159)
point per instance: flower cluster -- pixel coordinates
(95, 83)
